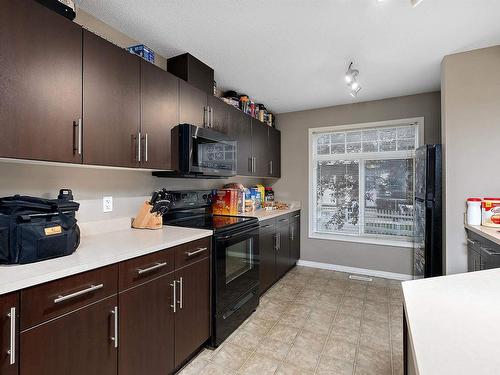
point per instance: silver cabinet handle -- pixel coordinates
(205, 116)
(489, 252)
(141, 271)
(276, 242)
(298, 215)
(271, 167)
(78, 124)
(114, 312)
(250, 164)
(146, 147)
(181, 293)
(293, 232)
(193, 253)
(12, 351)
(139, 146)
(174, 305)
(472, 242)
(92, 288)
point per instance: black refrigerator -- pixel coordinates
(428, 254)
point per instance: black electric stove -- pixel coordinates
(235, 258)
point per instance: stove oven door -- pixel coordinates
(237, 266)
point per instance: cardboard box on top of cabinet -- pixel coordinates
(226, 202)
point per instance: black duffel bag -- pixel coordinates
(34, 229)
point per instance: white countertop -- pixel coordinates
(490, 233)
(263, 214)
(97, 250)
(453, 323)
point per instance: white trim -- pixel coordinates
(355, 270)
(384, 241)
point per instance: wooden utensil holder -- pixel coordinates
(147, 220)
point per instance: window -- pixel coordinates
(362, 181)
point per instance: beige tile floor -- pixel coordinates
(315, 322)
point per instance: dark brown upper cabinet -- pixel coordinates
(274, 147)
(193, 105)
(195, 72)
(111, 104)
(241, 130)
(40, 83)
(219, 114)
(260, 149)
(159, 113)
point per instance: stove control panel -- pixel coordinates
(191, 199)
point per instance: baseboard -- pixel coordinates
(355, 270)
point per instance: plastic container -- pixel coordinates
(145, 52)
(490, 210)
(474, 211)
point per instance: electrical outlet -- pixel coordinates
(107, 204)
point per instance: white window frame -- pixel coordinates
(419, 121)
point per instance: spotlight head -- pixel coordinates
(354, 91)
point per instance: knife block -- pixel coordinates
(147, 220)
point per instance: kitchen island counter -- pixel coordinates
(453, 323)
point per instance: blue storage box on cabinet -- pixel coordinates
(145, 52)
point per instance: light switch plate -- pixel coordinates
(107, 204)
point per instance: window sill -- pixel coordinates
(365, 240)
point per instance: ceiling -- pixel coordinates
(293, 54)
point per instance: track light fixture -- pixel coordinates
(351, 80)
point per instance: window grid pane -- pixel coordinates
(386, 189)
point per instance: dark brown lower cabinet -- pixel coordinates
(192, 317)
(9, 321)
(294, 238)
(267, 255)
(279, 248)
(80, 343)
(147, 328)
(282, 251)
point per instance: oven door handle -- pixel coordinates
(223, 238)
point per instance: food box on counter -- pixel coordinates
(225, 202)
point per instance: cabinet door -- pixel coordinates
(283, 251)
(159, 113)
(267, 256)
(219, 114)
(192, 318)
(79, 343)
(40, 83)
(111, 102)
(294, 240)
(9, 321)
(147, 328)
(274, 152)
(193, 105)
(240, 129)
(260, 149)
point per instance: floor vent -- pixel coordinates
(360, 278)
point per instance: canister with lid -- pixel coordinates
(474, 211)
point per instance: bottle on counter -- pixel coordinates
(474, 211)
(269, 197)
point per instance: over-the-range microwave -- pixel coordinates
(202, 152)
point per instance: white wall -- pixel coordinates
(471, 137)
